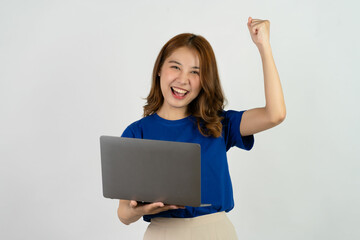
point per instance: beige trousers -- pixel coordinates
(216, 226)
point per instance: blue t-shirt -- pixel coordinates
(216, 187)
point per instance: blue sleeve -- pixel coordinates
(231, 125)
(128, 133)
(132, 131)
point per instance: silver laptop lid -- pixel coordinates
(151, 170)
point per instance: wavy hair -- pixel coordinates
(208, 106)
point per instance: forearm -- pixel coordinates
(126, 214)
(275, 104)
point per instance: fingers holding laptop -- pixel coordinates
(131, 211)
(152, 208)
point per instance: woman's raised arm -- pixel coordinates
(259, 119)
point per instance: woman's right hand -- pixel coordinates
(131, 211)
(151, 208)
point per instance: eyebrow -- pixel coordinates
(173, 61)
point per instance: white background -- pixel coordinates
(71, 71)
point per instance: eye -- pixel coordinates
(176, 67)
(196, 72)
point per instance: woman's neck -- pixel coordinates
(174, 114)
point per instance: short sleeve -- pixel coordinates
(231, 131)
(132, 131)
(128, 133)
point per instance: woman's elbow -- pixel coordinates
(122, 219)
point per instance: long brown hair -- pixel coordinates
(209, 104)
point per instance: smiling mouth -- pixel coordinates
(179, 92)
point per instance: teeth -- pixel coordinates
(179, 90)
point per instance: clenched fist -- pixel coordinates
(259, 31)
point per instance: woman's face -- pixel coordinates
(180, 79)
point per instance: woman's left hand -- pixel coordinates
(259, 31)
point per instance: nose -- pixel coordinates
(183, 78)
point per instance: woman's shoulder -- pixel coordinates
(141, 122)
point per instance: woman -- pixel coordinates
(186, 104)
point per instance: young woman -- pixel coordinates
(186, 104)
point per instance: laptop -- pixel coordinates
(151, 171)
